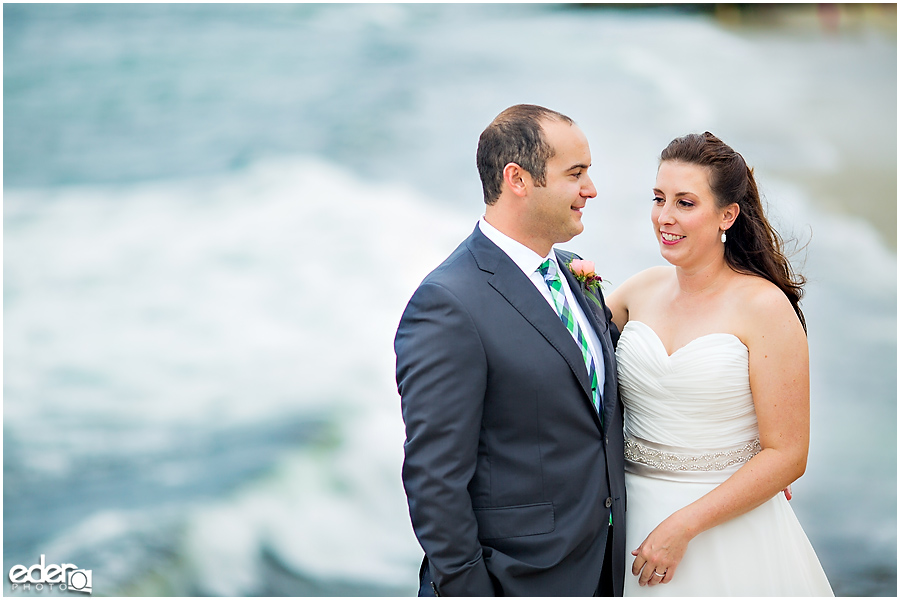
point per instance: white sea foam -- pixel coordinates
(208, 300)
(141, 311)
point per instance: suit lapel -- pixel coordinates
(509, 281)
(597, 317)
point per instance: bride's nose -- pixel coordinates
(664, 215)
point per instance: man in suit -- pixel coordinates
(514, 450)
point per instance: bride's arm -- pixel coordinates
(779, 381)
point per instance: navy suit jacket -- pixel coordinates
(509, 475)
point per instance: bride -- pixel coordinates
(713, 370)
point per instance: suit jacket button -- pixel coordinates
(608, 502)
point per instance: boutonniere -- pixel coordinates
(583, 270)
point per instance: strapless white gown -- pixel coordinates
(689, 424)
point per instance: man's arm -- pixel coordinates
(441, 376)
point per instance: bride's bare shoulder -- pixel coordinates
(649, 278)
(635, 291)
(763, 305)
(760, 294)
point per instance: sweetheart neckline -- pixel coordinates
(663, 346)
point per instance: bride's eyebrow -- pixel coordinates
(676, 195)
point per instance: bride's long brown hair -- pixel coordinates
(753, 246)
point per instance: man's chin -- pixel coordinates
(577, 228)
(572, 232)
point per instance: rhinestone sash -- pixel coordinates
(681, 464)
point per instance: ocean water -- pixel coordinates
(215, 214)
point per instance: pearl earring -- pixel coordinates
(723, 237)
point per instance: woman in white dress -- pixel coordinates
(713, 370)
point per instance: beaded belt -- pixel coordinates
(669, 462)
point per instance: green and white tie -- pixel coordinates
(550, 274)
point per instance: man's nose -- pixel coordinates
(588, 191)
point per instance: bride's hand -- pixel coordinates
(658, 556)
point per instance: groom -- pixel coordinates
(514, 450)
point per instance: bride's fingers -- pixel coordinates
(635, 569)
(670, 572)
(646, 575)
(636, 566)
(655, 577)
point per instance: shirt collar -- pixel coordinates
(525, 258)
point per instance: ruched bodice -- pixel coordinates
(690, 424)
(697, 398)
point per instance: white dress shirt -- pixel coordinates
(529, 261)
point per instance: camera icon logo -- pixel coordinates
(80, 581)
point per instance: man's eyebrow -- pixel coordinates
(578, 166)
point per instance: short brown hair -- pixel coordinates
(515, 136)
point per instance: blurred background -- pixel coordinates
(215, 214)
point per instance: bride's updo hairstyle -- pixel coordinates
(753, 247)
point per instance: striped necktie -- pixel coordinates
(550, 274)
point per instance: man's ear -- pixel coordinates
(729, 215)
(516, 178)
